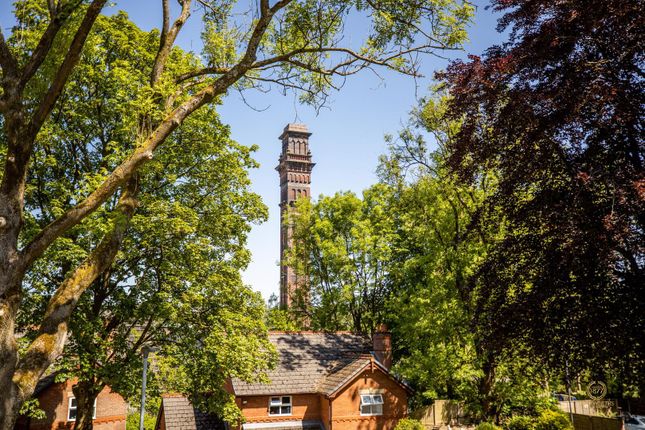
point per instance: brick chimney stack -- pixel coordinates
(382, 346)
(294, 168)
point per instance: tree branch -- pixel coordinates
(66, 67)
(168, 37)
(145, 152)
(52, 333)
(42, 49)
(8, 62)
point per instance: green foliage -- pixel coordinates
(280, 319)
(520, 422)
(178, 267)
(548, 419)
(409, 424)
(552, 419)
(342, 249)
(31, 408)
(132, 422)
(487, 426)
(438, 250)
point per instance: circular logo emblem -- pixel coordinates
(597, 390)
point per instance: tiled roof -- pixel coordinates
(179, 414)
(309, 362)
(342, 373)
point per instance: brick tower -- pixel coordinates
(294, 167)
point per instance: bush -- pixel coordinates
(132, 422)
(409, 424)
(553, 420)
(521, 422)
(487, 426)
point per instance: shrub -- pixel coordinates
(553, 420)
(521, 422)
(132, 422)
(409, 424)
(487, 426)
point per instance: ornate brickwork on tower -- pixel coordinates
(294, 167)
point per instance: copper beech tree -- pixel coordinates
(299, 45)
(557, 114)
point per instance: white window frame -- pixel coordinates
(71, 408)
(280, 404)
(374, 402)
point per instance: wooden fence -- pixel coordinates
(442, 413)
(605, 408)
(589, 422)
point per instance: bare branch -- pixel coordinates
(168, 37)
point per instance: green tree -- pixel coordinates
(340, 253)
(278, 318)
(179, 264)
(439, 248)
(289, 43)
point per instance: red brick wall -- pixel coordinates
(111, 409)
(325, 405)
(304, 407)
(346, 413)
(345, 407)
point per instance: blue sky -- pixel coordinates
(347, 135)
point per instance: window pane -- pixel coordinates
(365, 409)
(274, 410)
(286, 410)
(72, 414)
(275, 400)
(286, 400)
(378, 399)
(366, 400)
(73, 402)
(377, 409)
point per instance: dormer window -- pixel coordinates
(371, 404)
(280, 405)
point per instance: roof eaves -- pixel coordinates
(353, 375)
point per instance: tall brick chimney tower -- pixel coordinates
(294, 167)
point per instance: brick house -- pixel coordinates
(57, 400)
(338, 381)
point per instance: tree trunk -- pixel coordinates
(18, 380)
(10, 398)
(11, 270)
(85, 393)
(486, 386)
